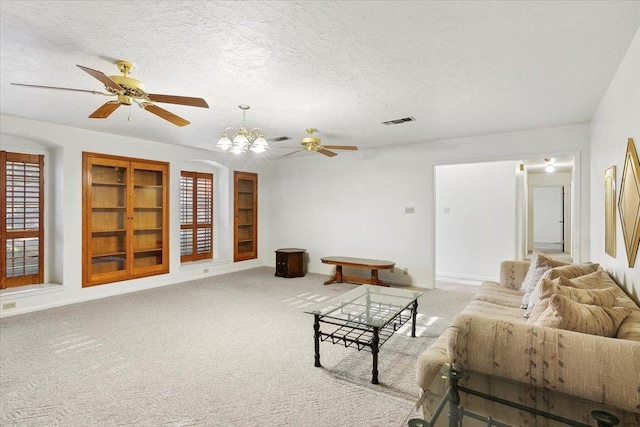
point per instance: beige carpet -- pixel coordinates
(233, 350)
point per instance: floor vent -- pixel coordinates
(398, 121)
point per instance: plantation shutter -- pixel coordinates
(196, 216)
(21, 228)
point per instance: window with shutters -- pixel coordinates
(196, 216)
(21, 228)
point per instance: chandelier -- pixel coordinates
(243, 139)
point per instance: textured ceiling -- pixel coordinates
(459, 68)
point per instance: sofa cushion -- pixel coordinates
(540, 263)
(497, 294)
(497, 311)
(563, 313)
(602, 297)
(573, 271)
(585, 276)
(630, 327)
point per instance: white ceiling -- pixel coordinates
(459, 68)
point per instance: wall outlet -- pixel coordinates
(447, 210)
(409, 209)
(9, 305)
(406, 271)
(206, 270)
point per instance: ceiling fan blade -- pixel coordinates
(62, 88)
(103, 78)
(181, 100)
(294, 152)
(164, 114)
(105, 110)
(327, 153)
(341, 147)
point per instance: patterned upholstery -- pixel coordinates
(547, 368)
(564, 313)
(540, 264)
(603, 297)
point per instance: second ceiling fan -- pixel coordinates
(313, 143)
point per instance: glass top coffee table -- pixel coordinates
(450, 411)
(364, 318)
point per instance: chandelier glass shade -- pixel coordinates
(243, 139)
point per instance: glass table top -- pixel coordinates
(372, 306)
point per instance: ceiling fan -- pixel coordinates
(312, 143)
(128, 90)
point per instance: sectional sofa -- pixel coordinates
(577, 350)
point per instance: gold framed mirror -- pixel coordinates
(610, 211)
(629, 202)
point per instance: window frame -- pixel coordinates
(194, 225)
(30, 279)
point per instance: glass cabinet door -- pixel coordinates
(108, 241)
(148, 226)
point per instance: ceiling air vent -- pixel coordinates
(278, 139)
(398, 121)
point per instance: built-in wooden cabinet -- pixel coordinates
(245, 201)
(125, 218)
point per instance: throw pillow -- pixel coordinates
(593, 280)
(604, 297)
(563, 313)
(630, 327)
(570, 271)
(540, 263)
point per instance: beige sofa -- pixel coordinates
(553, 370)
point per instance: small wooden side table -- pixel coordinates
(290, 262)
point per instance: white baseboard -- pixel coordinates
(463, 279)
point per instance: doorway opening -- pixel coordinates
(548, 219)
(549, 203)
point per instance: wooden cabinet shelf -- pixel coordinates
(108, 254)
(245, 199)
(125, 218)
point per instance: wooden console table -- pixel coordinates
(372, 264)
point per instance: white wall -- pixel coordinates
(353, 204)
(616, 119)
(475, 220)
(63, 147)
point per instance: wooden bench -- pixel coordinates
(372, 264)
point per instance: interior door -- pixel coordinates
(548, 218)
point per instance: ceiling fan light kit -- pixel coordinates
(243, 139)
(313, 143)
(129, 90)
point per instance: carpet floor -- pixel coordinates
(231, 350)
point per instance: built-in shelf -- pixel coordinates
(125, 218)
(246, 216)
